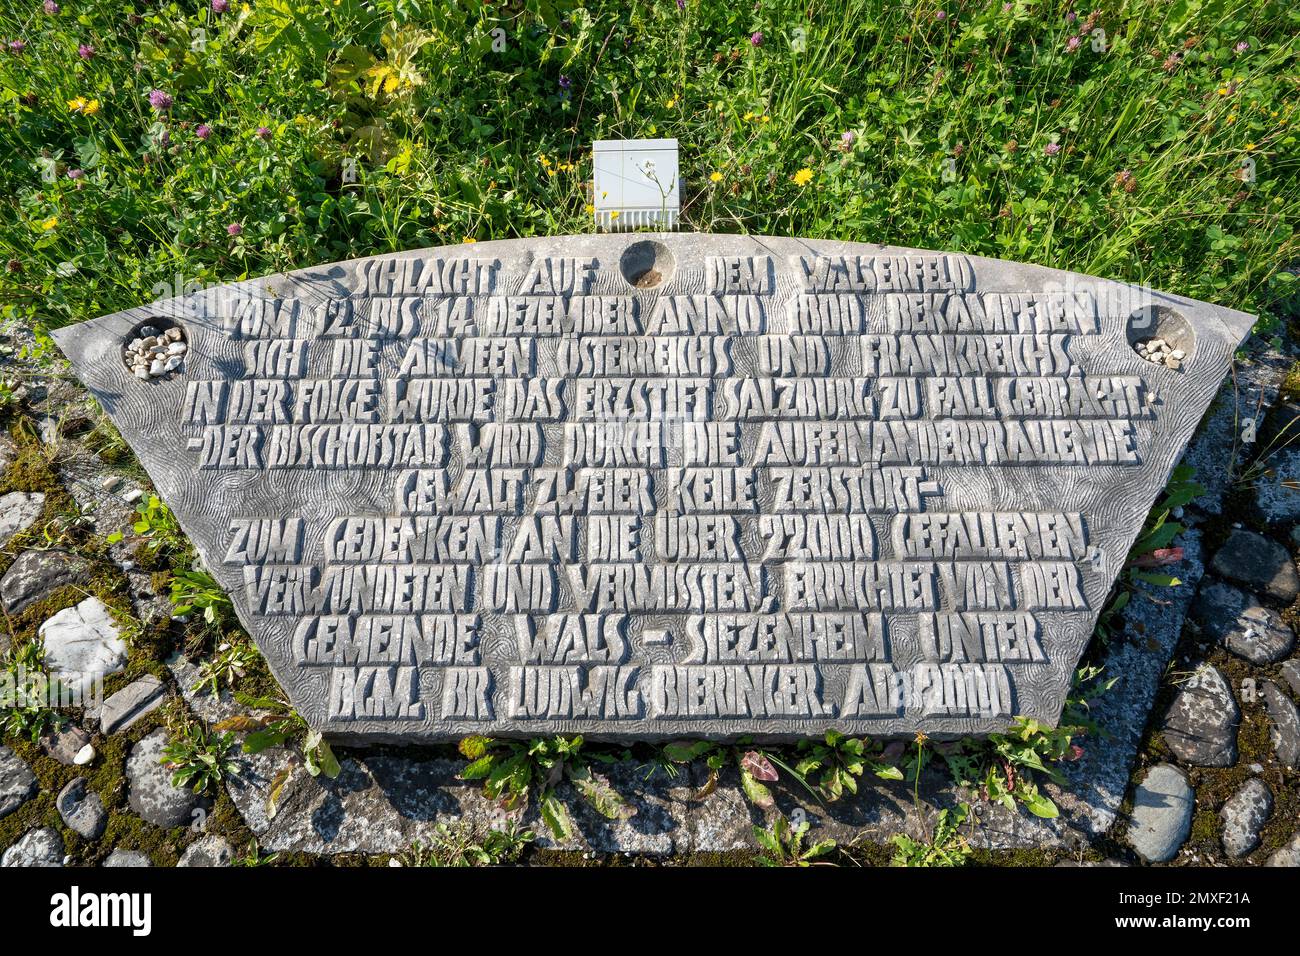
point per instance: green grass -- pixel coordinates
(951, 120)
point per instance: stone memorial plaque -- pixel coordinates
(650, 486)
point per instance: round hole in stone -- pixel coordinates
(646, 264)
(1162, 336)
(156, 349)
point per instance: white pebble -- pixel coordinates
(85, 755)
(176, 348)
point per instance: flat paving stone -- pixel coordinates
(64, 743)
(1201, 726)
(1288, 855)
(131, 703)
(83, 644)
(1290, 671)
(1258, 562)
(1284, 725)
(126, 858)
(18, 512)
(81, 809)
(1244, 815)
(1162, 813)
(40, 847)
(151, 794)
(34, 574)
(210, 850)
(1237, 620)
(17, 782)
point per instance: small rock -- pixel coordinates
(1162, 813)
(83, 643)
(18, 512)
(124, 858)
(210, 850)
(1201, 726)
(1285, 729)
(1238, 621)
(110, 482)
(151, 793)
(1290, 671)
(84, 756)
(40, 847)
(1244, 815)
(1288, 855)
(135, 494)
(17, 782)
(81, 809)
(131, 703)
(64, 744)
(34, 574)
(1259, 563)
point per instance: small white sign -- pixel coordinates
(636, 184)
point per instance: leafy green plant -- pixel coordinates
(835, 762)
(756, 768)
(1153, 547)
(157, 525)
(783, 845)
(945, 847)
(231, 662)
(25, 694)
(279, 725)
(459, 844)
(198, 759)
(197, 590)
(254, 857)
(512, 770)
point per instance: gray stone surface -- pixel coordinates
(17, 782)
(1284, 725)
(1290, 671)
(1258, 562)
(1240, 623)
(64, 743)
(1288, 855)
(581, 355)
(1201, 726)
(210, 850)
(1244, 815)
(40, 847)
(1275, 493)
(150, 791)
(126, 858)
(7, 452)
(18, 511)
(34, 574)
(1162, 813)
(128, 705)
(83, 644)
(81, 809)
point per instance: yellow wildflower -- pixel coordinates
(671, 102)
(468, 239)
(590, 208)
(50, 223)
(766, 118)
(92, 107)
(614, 214)
(803, 177)
(715, 177)
(748, 117)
